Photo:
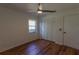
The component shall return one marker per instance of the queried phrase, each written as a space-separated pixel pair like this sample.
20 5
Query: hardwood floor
41 47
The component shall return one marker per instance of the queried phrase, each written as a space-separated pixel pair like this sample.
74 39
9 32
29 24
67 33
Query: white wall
14 29
51 24
50 28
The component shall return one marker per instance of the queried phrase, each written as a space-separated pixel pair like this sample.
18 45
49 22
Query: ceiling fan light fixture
39 12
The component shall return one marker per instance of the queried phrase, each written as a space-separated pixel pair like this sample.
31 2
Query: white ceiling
32 7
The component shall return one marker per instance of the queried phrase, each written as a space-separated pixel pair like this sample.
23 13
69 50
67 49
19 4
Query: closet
61 29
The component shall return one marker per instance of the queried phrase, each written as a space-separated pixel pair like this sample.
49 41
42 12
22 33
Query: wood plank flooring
41 47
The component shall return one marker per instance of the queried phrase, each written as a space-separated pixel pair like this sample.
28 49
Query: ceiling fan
40 9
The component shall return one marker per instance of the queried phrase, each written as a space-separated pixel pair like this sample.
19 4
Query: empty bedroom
39 28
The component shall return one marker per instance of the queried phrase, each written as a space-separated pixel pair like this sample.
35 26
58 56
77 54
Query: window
32 25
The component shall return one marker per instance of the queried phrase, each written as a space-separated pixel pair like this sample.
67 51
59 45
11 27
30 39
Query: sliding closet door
71 31
53 29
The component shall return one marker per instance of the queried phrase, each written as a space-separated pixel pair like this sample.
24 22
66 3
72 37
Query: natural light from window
32 25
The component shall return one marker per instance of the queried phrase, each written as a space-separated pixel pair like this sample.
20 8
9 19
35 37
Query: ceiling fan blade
47 11
41 9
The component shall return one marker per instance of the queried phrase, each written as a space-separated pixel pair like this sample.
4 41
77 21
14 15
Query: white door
53 29
71 27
